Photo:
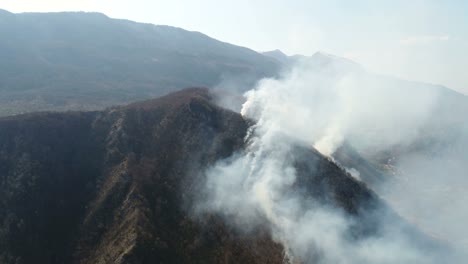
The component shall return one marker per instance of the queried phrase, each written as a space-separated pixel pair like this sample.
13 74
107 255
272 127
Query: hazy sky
424 40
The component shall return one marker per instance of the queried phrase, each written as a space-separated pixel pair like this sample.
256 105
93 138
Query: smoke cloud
321 104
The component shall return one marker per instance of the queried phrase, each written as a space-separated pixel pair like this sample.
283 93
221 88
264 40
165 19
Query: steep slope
117 186
48 167
56 61
108 187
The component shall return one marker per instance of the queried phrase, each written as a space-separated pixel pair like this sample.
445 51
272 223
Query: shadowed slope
108 187
116 186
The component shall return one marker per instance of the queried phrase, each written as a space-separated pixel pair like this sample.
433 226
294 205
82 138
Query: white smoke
319 107
430 191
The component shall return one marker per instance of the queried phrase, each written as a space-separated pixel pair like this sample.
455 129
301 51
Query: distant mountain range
319 58
88 61
77 60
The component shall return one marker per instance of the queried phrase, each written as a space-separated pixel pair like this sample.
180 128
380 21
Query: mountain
120 185
319 60
436 114
77 60
116 186
277 55
109 187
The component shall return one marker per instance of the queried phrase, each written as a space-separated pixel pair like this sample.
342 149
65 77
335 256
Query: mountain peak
322 53
277 55
323 58
5 12
327 56
276 52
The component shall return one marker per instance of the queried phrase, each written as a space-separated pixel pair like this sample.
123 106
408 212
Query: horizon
421 41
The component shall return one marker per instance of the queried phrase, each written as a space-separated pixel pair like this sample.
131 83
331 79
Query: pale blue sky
423 40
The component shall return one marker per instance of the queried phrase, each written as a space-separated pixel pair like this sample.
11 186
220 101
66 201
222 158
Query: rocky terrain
117 186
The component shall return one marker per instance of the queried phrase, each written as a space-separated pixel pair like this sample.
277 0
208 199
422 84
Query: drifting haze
323 103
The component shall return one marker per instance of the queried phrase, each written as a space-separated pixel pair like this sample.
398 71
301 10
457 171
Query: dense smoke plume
321 104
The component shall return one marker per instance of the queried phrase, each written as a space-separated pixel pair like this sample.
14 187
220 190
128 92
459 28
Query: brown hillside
114 186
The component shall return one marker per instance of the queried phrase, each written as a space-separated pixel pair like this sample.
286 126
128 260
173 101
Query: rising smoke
321 104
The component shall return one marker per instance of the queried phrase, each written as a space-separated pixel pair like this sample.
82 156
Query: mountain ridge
85 187
117 185
87 61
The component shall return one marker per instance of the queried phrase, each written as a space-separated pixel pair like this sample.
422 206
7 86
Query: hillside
116 186
77 60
